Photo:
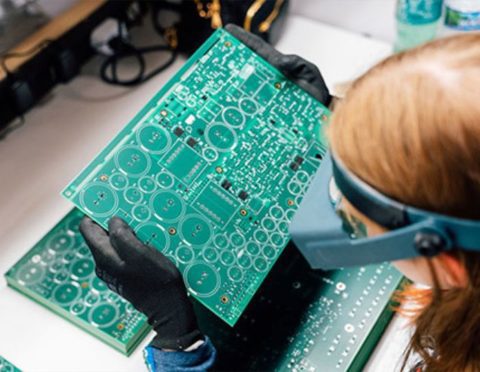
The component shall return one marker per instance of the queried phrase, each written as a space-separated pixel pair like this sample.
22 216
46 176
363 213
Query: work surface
59 138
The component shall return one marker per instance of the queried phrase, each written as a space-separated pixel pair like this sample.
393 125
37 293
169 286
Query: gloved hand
303 73
145 278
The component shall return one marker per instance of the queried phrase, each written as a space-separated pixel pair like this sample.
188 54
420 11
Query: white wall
375 18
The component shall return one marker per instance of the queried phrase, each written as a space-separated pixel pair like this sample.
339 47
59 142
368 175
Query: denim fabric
198 360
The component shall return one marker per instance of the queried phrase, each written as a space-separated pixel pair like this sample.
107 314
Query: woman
409 129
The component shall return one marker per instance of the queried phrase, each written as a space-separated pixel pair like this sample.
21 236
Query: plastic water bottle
417 22
461 16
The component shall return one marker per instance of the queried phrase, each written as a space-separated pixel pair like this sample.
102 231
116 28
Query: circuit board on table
212 170
300 319
6 366
59 273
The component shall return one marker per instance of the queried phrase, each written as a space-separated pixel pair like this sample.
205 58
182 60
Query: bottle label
462 21
419 12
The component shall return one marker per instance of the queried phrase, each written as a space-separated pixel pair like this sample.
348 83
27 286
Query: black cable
109 71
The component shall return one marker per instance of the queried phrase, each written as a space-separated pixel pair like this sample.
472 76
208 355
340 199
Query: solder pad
212 170
58 272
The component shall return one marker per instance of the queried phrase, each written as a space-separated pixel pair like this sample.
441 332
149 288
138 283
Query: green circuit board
59 273
307 320
212 170
6 366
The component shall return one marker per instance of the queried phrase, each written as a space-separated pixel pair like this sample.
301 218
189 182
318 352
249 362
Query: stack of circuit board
6 366
58 272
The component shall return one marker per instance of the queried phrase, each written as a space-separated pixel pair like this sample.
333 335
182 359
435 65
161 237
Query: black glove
303 73
145 278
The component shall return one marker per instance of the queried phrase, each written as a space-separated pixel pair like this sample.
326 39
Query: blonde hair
410 127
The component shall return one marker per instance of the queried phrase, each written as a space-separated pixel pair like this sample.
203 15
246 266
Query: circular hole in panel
147 184
56 266
132 195
276 212
294 188
283 227
82 269
30 274
77 308
227 257
260 236
66 294
268 224
289 214
103 315
237 239
47 257
60 243
184 254
210 154
235 273
83 252
167 205
253 248
91 299
233 117
269 252
165 180
245 261
154 139
98 199
68 257
220 241
202 279
153 235
260 264
61 276
118 181
221 137
141 212
210 254
195 230
248 106
98 285
302 176
277 239
132 161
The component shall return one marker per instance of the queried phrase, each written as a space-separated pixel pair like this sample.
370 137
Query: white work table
60 136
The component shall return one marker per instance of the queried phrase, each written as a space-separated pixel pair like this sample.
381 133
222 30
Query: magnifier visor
323 232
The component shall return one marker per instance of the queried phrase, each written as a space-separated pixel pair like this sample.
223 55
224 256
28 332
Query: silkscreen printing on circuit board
212 170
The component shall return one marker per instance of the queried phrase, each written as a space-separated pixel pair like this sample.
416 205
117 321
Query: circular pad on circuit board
98 199
202 279
195 230
221 137
132 161
154 139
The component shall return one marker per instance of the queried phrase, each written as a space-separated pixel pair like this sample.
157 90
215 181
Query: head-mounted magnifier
318 231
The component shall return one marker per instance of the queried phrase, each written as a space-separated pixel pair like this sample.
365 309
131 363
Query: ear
453 273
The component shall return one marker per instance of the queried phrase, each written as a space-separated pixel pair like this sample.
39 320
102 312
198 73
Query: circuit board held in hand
212 170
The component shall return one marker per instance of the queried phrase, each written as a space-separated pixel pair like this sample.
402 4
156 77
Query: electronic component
178 131
226 184
191 142
59 273
157 181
